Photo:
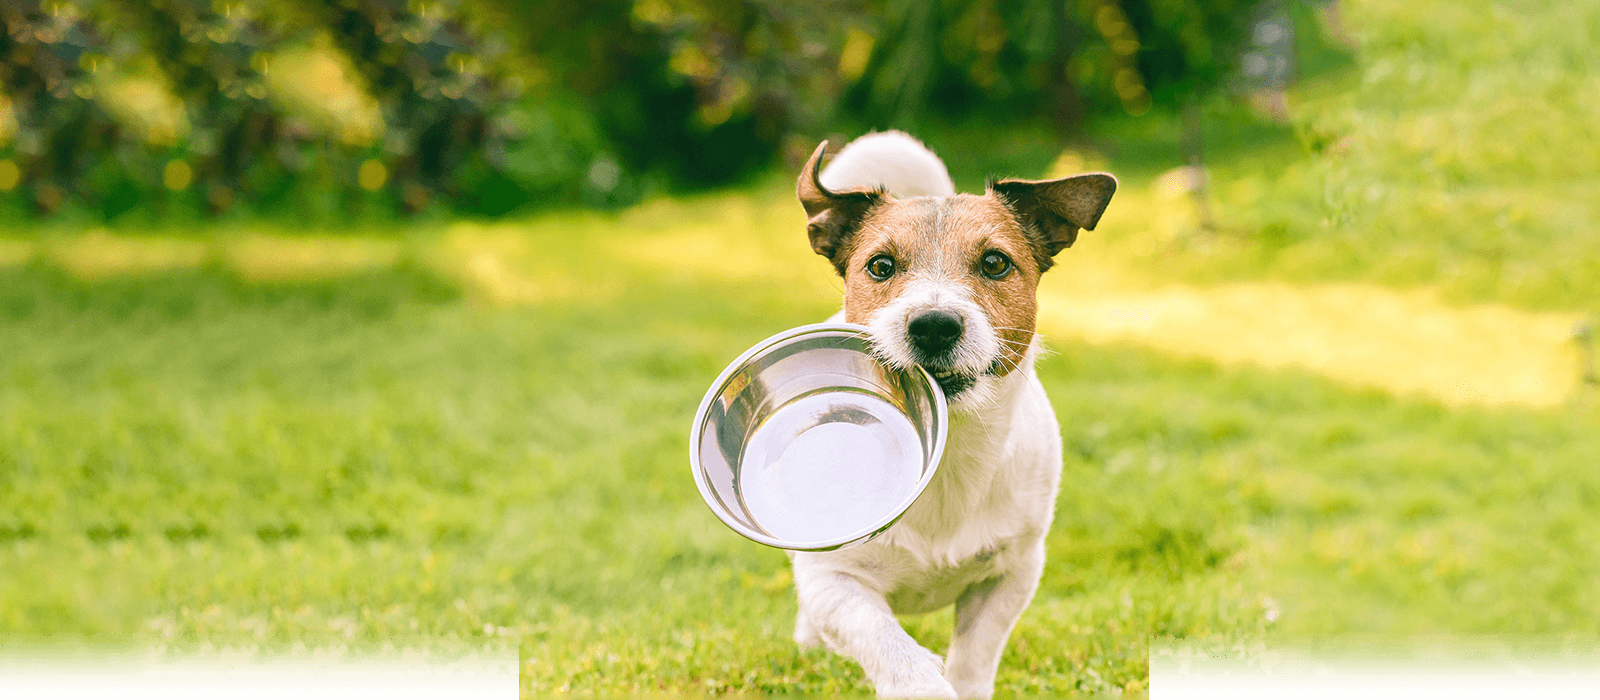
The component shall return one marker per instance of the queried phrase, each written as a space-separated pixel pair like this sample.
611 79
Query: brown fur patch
946 238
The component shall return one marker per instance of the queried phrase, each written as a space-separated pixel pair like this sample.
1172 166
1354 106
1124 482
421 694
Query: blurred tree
956 56
59 131
1021 59
1182 50
215 56
1186 48
439 79
327 109
1031 57
698 92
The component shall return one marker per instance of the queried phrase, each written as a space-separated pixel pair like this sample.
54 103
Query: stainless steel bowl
806 442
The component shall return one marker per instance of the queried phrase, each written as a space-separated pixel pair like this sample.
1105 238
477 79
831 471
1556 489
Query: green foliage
1059 62
149 111
1187 47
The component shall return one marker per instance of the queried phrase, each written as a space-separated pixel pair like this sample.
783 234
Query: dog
947 281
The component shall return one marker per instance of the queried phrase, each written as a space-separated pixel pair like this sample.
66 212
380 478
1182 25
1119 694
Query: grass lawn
452 441
375 461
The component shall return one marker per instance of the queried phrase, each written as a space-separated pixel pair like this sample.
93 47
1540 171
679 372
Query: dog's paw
927 688
919 674
973 691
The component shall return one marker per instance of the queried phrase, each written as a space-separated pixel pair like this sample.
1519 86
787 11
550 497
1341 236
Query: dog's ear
834 216
1052 211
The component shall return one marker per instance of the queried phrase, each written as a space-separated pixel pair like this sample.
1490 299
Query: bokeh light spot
605 174
177 175
372 175
10 175
857 52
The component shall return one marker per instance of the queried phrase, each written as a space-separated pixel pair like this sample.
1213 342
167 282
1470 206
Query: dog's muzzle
933 334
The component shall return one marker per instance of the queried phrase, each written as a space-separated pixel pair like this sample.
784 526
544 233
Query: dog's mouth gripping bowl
806 442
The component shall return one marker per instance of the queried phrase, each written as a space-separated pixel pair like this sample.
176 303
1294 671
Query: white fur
889 159
976 536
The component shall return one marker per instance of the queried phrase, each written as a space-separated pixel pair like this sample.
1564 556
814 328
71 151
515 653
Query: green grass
372 462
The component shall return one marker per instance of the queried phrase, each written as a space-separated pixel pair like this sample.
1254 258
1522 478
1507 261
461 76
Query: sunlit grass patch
1406 343
735 237
268 257
16 252
98 255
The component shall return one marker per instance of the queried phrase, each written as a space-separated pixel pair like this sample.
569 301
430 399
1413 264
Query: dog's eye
880 267
995 264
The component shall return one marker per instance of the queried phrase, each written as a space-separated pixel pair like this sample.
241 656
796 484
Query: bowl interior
806 442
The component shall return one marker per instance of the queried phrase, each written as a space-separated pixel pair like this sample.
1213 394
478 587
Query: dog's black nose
933 333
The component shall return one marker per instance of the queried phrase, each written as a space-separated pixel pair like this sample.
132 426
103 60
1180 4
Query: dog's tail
893 160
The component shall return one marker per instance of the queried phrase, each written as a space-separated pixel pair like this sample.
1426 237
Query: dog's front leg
985 614
856 621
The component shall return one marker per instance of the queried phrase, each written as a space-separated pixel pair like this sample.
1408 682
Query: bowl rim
942 419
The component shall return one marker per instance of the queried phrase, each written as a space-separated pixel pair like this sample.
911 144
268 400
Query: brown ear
1052 211
834 216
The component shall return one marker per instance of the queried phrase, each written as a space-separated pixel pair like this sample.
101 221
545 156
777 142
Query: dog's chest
990 491
961 532
929 589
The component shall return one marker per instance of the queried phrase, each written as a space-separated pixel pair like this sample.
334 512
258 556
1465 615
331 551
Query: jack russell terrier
946 281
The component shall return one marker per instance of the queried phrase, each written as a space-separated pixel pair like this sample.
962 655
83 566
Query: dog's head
949 282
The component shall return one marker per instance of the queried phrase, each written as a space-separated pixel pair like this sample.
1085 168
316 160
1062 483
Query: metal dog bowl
806 442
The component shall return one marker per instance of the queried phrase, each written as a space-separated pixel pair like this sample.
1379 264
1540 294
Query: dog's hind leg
856 622
985 614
